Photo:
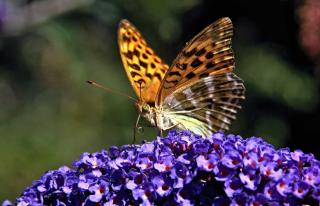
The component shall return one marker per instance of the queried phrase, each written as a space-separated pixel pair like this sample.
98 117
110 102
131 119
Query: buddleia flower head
183 169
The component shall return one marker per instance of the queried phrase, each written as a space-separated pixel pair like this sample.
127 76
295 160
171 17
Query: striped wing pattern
144 68
208 53
208 105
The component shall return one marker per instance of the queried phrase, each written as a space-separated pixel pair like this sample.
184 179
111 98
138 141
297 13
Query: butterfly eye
145 108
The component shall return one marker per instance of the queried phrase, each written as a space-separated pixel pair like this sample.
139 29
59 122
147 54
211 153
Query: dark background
48 49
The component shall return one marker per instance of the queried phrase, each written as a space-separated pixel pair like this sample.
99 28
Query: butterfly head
144 108
147 111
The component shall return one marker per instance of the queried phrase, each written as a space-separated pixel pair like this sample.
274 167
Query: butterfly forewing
206 54
144 68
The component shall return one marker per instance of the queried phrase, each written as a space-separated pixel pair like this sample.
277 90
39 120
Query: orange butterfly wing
206 54
144 68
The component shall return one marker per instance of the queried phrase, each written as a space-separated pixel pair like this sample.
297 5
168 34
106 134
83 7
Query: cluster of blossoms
183 169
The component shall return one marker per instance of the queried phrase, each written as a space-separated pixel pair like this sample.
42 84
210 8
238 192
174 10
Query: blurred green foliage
49 115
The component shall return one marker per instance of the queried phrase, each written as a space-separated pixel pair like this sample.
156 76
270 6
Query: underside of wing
144 68
208 53
207 106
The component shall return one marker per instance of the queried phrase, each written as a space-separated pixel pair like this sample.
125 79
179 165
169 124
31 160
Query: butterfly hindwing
206 54
143 67
208 105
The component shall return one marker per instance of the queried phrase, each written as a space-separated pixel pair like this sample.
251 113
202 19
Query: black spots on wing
140 83
173 82
173 73
143 64
189 53
128 33
149 75
225 64
134 74
209 55
190 75
143 42
134 38
144 56
134 66
125 38
181 66
129 55
200 52
136 53
149 51
220 63
158 76
223 53
157 60
222 66
203 75
229 61
209 65
153 66
184 66
195 63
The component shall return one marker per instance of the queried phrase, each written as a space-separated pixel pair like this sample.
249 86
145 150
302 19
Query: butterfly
198 92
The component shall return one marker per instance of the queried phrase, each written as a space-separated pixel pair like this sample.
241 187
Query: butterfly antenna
110 90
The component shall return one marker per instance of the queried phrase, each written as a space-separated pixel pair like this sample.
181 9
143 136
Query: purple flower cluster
183 169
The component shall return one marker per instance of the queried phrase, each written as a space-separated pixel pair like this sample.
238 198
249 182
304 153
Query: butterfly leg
173 126
161 130
161 133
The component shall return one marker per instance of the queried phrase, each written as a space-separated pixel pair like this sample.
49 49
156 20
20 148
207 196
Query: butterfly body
157 116
199 92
